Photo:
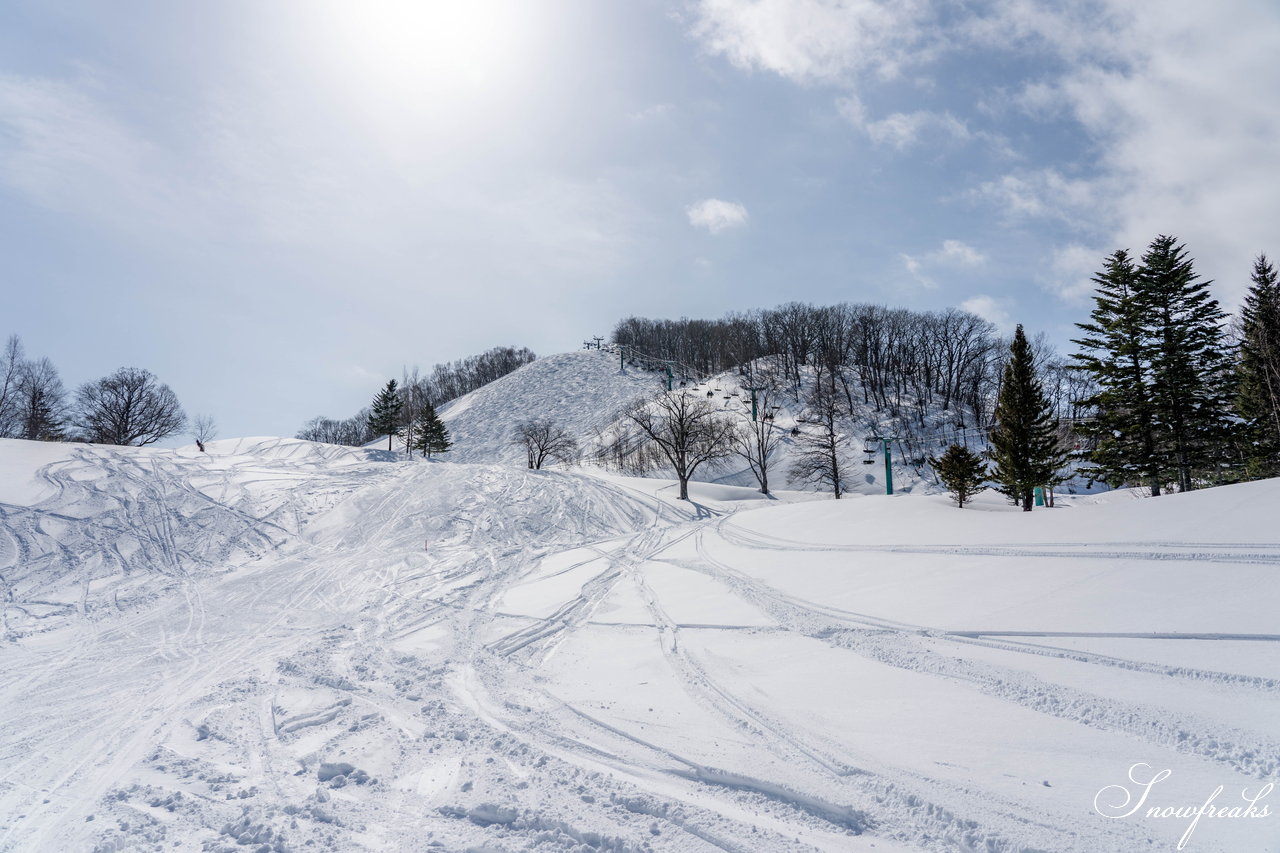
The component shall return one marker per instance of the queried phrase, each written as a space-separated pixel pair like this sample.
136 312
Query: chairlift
869 448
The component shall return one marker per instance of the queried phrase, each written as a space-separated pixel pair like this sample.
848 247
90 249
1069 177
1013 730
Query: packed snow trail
282 646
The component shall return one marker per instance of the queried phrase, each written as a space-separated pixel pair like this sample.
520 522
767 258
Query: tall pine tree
1156 350
384 418
1191 368
1258 371
1024 445
1115 352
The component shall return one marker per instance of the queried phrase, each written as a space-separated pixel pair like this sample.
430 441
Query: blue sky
276 206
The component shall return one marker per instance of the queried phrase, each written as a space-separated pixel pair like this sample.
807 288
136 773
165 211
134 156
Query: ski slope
584 392
286 646
580 391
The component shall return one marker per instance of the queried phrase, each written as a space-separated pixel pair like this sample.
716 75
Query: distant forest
902 362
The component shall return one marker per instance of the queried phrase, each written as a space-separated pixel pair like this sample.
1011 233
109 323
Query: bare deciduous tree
820 446
543 439
894 359
352 432
203 428
11 364
686 430
755 441
41 402
129 407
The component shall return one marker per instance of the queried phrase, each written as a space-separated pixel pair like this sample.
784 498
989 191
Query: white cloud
916 269
902 130
1184 126
813 40
956 252
990 309
1044 193
716 215
953 254
1072 270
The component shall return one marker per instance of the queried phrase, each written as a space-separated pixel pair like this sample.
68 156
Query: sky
275 207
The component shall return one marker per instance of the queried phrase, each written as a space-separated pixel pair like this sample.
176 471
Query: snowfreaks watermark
1121 801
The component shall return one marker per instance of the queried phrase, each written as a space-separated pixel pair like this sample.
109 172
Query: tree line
898 361
1181 397
1162 391
128 407
416 391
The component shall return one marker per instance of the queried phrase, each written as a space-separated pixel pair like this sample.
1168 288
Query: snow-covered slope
91 526
580 391
317 650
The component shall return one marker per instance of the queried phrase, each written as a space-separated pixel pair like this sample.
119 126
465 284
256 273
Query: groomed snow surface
279 645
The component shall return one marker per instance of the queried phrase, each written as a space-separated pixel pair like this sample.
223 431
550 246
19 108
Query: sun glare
429 46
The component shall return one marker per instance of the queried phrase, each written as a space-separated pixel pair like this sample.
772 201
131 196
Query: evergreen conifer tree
1114 351
384 419
1191 369
1025 446
432 436
1156 350
1258 371
962 473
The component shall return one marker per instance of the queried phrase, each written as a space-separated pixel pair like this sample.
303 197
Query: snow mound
580 391
88 526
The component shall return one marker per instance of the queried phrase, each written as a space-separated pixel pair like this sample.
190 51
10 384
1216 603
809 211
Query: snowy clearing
283 646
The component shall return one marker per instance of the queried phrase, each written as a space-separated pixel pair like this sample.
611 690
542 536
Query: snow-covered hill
584 392
279 645
581 391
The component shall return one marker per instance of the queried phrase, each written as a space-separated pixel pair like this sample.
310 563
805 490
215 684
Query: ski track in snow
281 646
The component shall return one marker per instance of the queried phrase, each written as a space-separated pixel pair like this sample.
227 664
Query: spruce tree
1258 371
1191 369
1025 446
1115 352
432 435
1156 350
384 419
962 473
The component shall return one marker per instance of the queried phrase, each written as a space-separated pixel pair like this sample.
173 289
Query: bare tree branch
685 429
129 407
543 439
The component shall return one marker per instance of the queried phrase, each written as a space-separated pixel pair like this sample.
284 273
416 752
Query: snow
580 391
282 645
